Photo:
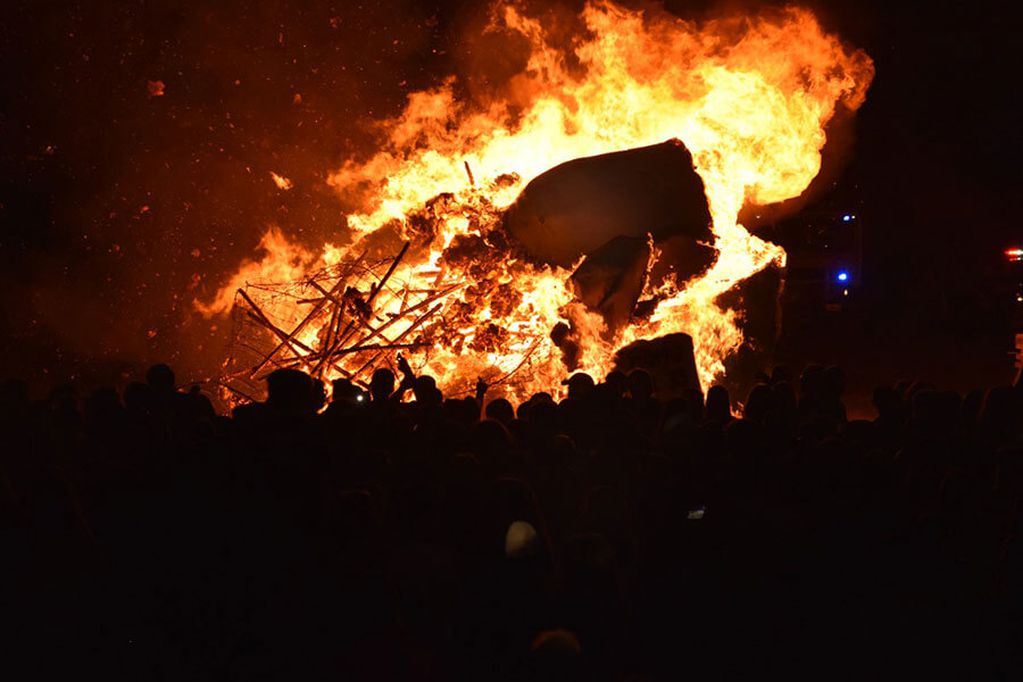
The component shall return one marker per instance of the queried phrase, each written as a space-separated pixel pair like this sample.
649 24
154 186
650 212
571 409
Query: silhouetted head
464 411
161 378
555 655
290 390
580 386
500 410
381 386
488 437
641 384
138 397
887 402
834 381
426 391
719 405
345 391
199 406
543 411
811 382
758 404
617 383
318 394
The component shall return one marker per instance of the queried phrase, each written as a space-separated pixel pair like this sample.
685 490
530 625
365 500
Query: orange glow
748 95
281 181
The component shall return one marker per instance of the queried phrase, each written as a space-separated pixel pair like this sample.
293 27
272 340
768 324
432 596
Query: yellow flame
282 261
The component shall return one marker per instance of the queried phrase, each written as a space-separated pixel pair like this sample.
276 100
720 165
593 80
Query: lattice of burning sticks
344 320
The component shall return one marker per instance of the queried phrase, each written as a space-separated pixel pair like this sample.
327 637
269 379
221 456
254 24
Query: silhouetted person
719 406
290 391
426 392
617 383
499 409
161 379
346 402
381 385
409 540
758 404
580 386
555 656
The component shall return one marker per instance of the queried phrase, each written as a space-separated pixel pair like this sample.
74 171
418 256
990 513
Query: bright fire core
750 97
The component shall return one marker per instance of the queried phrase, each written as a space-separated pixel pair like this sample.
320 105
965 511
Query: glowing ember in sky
281 181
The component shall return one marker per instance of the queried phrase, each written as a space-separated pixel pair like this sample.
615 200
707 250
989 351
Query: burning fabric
545 231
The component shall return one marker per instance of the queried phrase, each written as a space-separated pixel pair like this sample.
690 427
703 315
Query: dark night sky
117 209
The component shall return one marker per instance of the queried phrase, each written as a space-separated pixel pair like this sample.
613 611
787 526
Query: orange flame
749 96
281 181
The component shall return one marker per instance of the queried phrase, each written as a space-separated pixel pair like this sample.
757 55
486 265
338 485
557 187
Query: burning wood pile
619 219
341 333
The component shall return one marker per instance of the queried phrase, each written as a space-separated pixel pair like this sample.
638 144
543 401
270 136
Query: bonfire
512 241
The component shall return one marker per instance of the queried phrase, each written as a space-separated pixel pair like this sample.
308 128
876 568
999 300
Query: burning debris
546 232
282 182
340 334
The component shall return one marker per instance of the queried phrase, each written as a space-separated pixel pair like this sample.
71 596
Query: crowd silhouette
400 534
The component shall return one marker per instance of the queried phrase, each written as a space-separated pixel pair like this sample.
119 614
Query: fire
281 181
750 97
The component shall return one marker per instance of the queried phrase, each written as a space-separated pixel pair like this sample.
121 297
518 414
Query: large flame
749 96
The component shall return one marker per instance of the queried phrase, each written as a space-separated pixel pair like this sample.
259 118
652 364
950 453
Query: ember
281 181
748 97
